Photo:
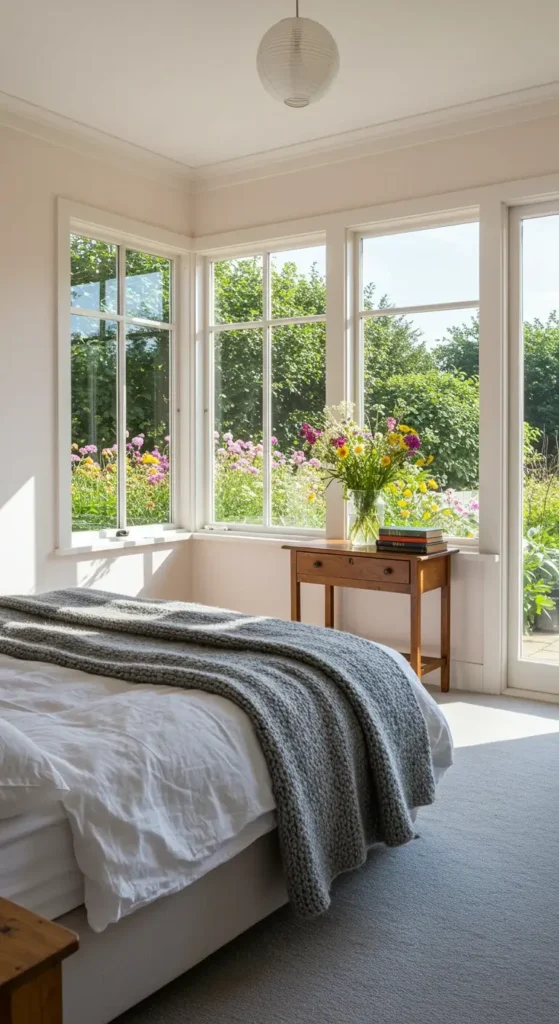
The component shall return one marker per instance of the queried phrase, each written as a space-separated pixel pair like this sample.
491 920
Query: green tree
459 353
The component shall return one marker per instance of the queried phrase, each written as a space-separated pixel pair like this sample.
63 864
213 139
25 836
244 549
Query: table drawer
353 567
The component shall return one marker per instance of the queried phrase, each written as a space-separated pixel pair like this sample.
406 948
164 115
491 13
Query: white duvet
160 779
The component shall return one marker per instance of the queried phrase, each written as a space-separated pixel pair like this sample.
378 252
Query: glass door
534 448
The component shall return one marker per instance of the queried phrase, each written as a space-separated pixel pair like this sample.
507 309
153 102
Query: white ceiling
178 77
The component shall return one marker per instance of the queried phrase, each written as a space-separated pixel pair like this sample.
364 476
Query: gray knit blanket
340 727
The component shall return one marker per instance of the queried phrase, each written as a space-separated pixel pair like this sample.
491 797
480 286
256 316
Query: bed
140 936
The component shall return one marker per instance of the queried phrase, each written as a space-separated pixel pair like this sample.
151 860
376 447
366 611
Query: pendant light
297 60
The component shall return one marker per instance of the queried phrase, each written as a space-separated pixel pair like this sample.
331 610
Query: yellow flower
423 488
407 493
402 503
433 484
426 515
88 461
386 460
311 496
447 511
434 507
470 535
153 472
403 429
74 447
358 448
111 468
429 460
392 488
404 514
394 439
150 459
420 462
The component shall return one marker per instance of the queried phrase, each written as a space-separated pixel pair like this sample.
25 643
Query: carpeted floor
459 927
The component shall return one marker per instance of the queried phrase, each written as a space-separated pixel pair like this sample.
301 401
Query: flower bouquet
364 462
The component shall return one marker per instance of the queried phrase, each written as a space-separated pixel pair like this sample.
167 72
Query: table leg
38 1000
445 631
295 590
329 607
415 617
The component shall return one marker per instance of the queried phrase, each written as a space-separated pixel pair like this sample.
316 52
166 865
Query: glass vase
367 517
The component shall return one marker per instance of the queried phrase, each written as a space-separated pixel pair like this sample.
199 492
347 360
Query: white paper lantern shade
297 61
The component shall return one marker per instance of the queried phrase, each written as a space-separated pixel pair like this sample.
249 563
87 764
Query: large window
419 363
268 339
121 356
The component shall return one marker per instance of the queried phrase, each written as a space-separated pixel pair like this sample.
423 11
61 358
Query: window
121 345
268 339
419 359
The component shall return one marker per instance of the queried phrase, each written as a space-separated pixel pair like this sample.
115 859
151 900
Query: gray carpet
459 927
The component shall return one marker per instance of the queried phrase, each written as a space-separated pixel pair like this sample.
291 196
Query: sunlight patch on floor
475 723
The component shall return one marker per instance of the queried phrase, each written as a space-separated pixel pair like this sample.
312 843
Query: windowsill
470 549
106 544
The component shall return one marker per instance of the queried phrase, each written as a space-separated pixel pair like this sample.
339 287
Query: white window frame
74 218
265 324
470 216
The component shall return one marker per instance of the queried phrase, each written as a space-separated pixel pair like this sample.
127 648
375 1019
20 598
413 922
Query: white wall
32 174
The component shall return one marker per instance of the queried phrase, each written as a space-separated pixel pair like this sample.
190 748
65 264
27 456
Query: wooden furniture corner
31 953
336 563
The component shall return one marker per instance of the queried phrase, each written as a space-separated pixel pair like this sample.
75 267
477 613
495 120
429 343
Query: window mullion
121 393
266 393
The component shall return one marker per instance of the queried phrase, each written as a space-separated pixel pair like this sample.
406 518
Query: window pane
423 370
298 396
93 268
147 423
238 490
299 282
238 290
420 268
93 369
147 286
540 314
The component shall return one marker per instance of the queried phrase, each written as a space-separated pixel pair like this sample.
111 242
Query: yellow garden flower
434 507
394 439
343 452
405 514
423 488
447 512
74 447
392 488
386 460
150 459
433 484
426 515
429 460
311 496
358 449
402 503
420 462
405 430
407 493
88 461
470 535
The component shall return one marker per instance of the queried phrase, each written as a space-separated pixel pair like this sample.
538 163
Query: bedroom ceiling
178 77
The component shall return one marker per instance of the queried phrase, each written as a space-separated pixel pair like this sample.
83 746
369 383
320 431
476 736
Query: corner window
121 343
267 337
419 357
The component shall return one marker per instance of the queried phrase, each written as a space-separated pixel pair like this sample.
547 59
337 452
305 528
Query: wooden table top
345 546
29 943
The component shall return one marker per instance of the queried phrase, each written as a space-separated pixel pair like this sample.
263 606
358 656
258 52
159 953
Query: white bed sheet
138 798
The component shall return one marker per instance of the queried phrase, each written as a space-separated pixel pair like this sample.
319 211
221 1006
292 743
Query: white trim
107 544
419 129
72 218
436 307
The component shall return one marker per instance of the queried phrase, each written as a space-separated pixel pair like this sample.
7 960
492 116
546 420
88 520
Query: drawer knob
316 565
388 571
351 562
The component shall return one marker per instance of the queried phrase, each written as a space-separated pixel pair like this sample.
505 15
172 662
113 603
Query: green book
411 531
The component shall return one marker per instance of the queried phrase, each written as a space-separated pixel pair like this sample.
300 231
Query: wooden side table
31 953
336 563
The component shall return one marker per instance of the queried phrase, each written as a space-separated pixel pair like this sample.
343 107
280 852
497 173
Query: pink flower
273 440
412 442
138 441
315 463
390 423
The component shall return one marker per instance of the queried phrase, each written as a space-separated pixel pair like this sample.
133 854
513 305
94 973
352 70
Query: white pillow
28 779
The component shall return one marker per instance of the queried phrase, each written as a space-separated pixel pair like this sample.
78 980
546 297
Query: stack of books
416 540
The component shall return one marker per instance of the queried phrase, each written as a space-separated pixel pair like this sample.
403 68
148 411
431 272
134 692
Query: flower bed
94 485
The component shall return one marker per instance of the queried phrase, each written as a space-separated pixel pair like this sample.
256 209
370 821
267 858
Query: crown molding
44 124
420 129
448 122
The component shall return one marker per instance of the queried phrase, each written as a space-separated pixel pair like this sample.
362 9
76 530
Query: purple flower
75 458
216 435
390 423
315 463
310 435
228 436
221 451
338 442
138 441
298 458
412 442
474 505
273 440
166 438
